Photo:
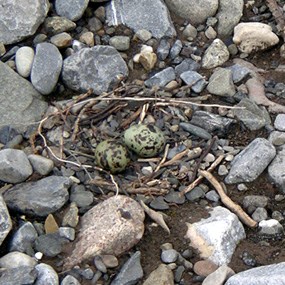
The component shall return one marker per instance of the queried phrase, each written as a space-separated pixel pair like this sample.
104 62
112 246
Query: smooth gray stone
45 79
260 214
195 194
262 275
72 10
151 15
17 259
174 197
131 272
120 43
169 255
82 198
52 191
253 116
163 49
187 64
46 275
197 131
41 164
24 106
277 138
5 220
20 275
239 72
23 239
21 19
14 166
98 68
159 203
251 162
252 202
195 80
69 280
161 78
279 122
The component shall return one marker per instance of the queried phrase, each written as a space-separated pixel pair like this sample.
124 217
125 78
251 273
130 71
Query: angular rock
16 259
239 72
61 40
131 272
19 275
160 276
262 275
46 275
221 83
161 78
219 276
163 49
24 60
111 227
5 220
52 191
20 19
196 11
151 15
55 25
175 49
270 227
254 36
72 10
100 68
251 162
195 80
14 166
24 106
209 235
228 16
215 55
45 79
187 64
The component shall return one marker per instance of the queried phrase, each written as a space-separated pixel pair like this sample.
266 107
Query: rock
254 36
87 38
143 35
110 261
61 40
19 275
69 280
24 197
259 214
148 60
111 227
190 32
71 10
45 79
175 49
279 122
187 64
5 220
21 19
120 43
158 203
219 276
46 275
50 225
174 197
131 272
197 131
163 49
204 267
239 72
24 60
71 217
67 233
56 25
196 12
81 197
169 255
221 83
195 80
270 227
161 78
160 276
14 166
41 164
99 264
195 194
252 202
209 234
15 260
24 104
151 15
262 275
251 162
229 15
277 138
215 55
253 116
210 33
99 68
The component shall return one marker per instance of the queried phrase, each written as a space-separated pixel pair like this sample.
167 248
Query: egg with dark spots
144 140
111 155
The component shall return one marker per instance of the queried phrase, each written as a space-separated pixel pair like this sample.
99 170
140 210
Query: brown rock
51 225
204 267
160 276
111 227
148 60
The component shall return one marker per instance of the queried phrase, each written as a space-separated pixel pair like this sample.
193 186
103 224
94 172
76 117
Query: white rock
24 60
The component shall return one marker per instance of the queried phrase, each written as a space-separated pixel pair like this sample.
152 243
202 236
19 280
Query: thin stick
164 158
131 118
227 201
116 185
175 158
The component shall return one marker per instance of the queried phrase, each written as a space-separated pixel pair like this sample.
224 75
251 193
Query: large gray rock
14 166
21 18
196 11
38 198
16 259
111 227
151 15
209 235
45 79
72 10
19 275
99 68
24 106
262 275
230 12
251 162
5 220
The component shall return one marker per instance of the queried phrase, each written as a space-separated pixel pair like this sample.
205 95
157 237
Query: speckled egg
144 140
112 155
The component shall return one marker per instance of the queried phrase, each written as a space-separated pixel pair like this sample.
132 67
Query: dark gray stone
20 19
187 64
195 194
5 220
175 49
100 68
151 15
72 10
163 49
24 106
46 275
239 72
159 203
45 79
19 275
174 197
197 131
161 78
38 198
131 272
195 80
251 162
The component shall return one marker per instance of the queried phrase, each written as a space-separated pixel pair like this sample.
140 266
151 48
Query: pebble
169 256
69 280
87 38
252 202
210 33
175 49
248 259
195 194
143 35
71 217
24 60
161 78
195 130
222 170
81 198
279 122
219 276
160 276
204 267
99 264
212 196
277 138
46 275
67 233
41 164
163 49
71 10
50 224
270 227
174 197
260 214
120 43
16 259
56 25
62 40
195 80
187 64
110 261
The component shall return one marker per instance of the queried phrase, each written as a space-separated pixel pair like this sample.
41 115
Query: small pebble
169 255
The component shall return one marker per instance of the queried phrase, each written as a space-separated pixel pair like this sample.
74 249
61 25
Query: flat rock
21 19
160 276
111 227
195 80
45 79
19 275
262 275
151 15
196 11
208 235
24 197
161 78
14 166
72 10
197 131
100 68
251 162
24 106
5 220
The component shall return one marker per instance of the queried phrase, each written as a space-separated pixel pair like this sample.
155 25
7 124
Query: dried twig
227 201
131 118
164 158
